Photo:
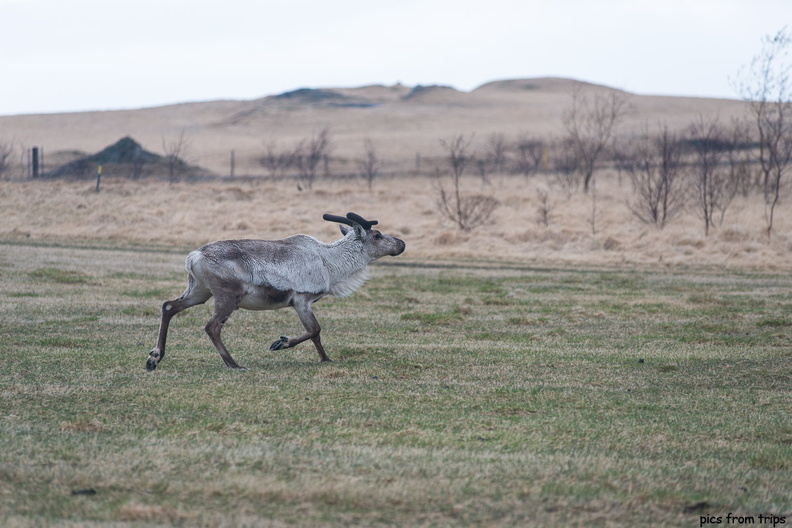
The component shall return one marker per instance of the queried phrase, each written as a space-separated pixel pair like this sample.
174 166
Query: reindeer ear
356 218
353 221
359 231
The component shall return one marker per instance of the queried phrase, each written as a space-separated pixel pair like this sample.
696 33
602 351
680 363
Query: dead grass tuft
85 425
135 512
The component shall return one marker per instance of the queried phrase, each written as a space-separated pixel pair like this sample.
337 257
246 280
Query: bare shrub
713 191
594 213
467 211
309 154
494 160
544 209
483 170
496 152
6 156
369 164
653 165
740 157
565 165
622 156
530 153
277 162
767 86
589 124
176 151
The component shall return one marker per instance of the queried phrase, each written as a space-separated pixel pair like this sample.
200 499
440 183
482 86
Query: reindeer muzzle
400 247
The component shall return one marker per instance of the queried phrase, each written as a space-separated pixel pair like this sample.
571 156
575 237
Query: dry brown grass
186 215
152 213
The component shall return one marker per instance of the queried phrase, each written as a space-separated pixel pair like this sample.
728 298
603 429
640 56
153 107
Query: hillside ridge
405 123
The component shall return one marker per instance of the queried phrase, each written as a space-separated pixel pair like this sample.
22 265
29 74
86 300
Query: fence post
34 162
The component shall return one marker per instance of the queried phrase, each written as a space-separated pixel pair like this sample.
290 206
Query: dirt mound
310 95
324 97
125 150
125 158
541 84
432 92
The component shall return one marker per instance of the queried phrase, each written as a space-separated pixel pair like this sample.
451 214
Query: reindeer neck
347 266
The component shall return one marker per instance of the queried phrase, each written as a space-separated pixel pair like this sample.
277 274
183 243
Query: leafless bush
739 158
6 155
276 162
530 153
545 208
176 151
369 165
622 154
713 190
483 170
496 152
590 124
565 165
653 165
494 159
594 213
767 86
458 154
467 211
309 154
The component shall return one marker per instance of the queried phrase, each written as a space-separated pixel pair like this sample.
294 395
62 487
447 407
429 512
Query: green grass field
462 394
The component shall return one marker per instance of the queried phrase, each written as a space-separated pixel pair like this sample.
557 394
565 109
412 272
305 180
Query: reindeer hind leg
196 293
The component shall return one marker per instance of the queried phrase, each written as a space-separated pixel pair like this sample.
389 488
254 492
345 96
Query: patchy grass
462 394
58 275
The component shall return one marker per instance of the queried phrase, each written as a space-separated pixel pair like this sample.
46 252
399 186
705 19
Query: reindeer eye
377 236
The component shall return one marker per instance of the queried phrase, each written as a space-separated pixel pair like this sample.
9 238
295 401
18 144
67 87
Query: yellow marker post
98 175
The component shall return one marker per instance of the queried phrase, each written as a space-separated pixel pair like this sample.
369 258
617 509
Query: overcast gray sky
109 54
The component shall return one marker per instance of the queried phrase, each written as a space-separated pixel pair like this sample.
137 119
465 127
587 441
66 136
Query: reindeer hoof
280 343
151 362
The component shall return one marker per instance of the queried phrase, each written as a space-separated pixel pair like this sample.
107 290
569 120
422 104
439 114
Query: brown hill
404 123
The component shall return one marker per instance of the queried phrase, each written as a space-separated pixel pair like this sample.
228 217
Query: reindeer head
375 244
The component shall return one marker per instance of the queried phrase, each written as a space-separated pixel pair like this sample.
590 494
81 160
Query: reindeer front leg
302 305
225 304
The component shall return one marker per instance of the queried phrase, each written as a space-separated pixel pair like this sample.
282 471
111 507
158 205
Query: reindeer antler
366 224
338 219
351 220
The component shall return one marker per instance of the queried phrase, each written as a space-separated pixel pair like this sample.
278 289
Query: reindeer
270 274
